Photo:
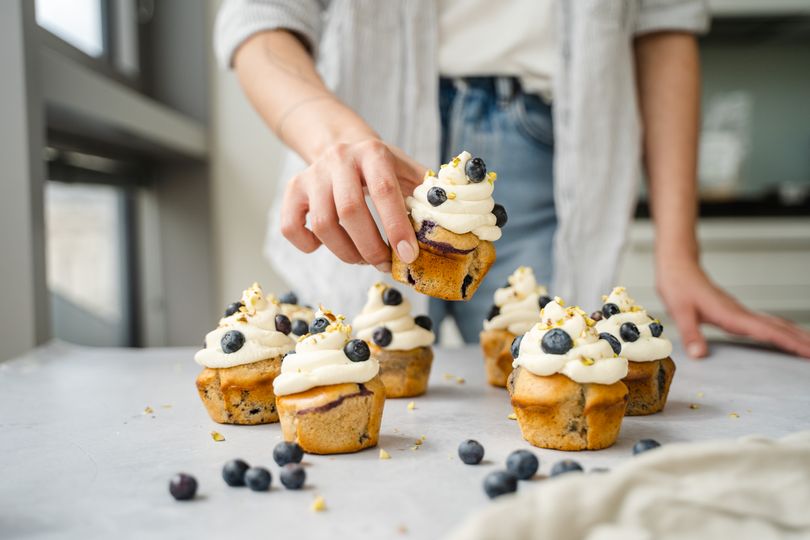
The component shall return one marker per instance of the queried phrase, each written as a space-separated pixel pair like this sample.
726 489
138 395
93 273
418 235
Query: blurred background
136 177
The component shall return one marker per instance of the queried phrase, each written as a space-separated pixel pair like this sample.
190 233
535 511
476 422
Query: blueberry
596 315
499 483
494 311
183 487
382 336
424 321
656 328
258 478
609 310
318 325
299 327
556 341
614 343
500 215
645 444
476 170
543 301
287 452
232 308
436 196
515 348
522 464
232 341
293 476
283 324
629 332
471 452
391 297
289 298
565 466
234 472
356 350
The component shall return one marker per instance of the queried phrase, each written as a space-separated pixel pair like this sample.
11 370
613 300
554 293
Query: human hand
332 192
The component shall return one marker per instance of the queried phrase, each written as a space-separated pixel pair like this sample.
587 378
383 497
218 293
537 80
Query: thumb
689 327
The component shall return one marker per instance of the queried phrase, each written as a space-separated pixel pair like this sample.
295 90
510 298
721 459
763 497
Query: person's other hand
691 299
332 192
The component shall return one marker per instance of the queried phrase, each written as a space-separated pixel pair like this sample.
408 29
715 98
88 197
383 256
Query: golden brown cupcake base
648 384
497 348
404 373
558 413
333 419
240 394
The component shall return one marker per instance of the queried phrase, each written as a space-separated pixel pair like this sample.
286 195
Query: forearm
278 75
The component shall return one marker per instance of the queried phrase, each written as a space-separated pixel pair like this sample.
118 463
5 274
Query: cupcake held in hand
566 388
639 338
516 309
241 358
330 396
398 341
456 220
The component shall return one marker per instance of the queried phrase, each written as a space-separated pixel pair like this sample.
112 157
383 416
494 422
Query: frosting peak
396 317
644 344
517 306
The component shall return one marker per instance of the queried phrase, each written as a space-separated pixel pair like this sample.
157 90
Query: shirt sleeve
680 15
237 20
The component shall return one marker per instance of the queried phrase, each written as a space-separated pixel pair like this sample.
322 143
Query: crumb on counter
512 416
733 415
411 405
217 436
384 454
694 406
148 410
319 504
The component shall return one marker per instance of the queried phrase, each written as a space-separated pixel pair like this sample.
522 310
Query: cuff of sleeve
674 15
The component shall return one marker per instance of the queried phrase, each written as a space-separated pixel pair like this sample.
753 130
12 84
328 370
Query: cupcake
241 358
399 342
639 338
566 387
329 394
300 316
456 221
516 309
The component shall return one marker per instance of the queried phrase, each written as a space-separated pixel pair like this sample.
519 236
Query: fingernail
384 267
695 350
406 252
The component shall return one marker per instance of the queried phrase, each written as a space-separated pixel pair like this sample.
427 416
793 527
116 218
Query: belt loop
504 89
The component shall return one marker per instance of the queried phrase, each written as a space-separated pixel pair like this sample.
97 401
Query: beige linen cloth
752 488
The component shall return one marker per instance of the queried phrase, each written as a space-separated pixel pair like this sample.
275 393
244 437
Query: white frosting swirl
647 347
256 320
406 334
518 303
468 207
319 360
590 360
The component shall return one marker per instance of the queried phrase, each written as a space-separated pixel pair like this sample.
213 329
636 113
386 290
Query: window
78 22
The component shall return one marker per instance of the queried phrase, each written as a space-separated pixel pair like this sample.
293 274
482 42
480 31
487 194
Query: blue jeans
511 131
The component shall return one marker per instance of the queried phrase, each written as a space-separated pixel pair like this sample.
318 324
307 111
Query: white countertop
80 458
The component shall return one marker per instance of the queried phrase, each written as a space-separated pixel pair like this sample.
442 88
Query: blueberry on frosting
610 309
283 324
515 348
494 311
614 343
629 332
289 298
232 341
232 308
436 196
424 321
299 327
476 170
391 297
357 350
656 328
382 336
556 341
543 300
500 215
318 325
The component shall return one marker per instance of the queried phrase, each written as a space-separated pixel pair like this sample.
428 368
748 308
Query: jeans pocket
532 118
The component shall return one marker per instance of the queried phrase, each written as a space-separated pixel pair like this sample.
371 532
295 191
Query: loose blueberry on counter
357 350
629 332
523 464
283 324
471 452
500 483
476 170
234 472
232 341
293 476
299 327
183 487
565 466
494 311
656 328
287 452
318 325
609 310
424 321
543 301
258 479
500 215
391 297
596 315
645 444
382 336
515 347
289 298
436 196
556 341
232 308
614 343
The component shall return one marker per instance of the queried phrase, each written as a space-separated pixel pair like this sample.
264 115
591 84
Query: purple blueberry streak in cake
426 228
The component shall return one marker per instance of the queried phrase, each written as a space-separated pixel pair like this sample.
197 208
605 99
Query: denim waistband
500 87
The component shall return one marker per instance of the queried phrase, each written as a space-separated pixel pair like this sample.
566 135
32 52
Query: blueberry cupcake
300 316
639 338
400 342
241 358
329 394
516 309
567 388
456 221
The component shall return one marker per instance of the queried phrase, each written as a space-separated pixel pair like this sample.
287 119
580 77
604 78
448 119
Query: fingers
294 217
688 322
323 219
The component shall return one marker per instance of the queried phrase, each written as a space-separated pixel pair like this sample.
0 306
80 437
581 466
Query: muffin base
558 413
240 394
648 384
404 373
333 419
497 348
